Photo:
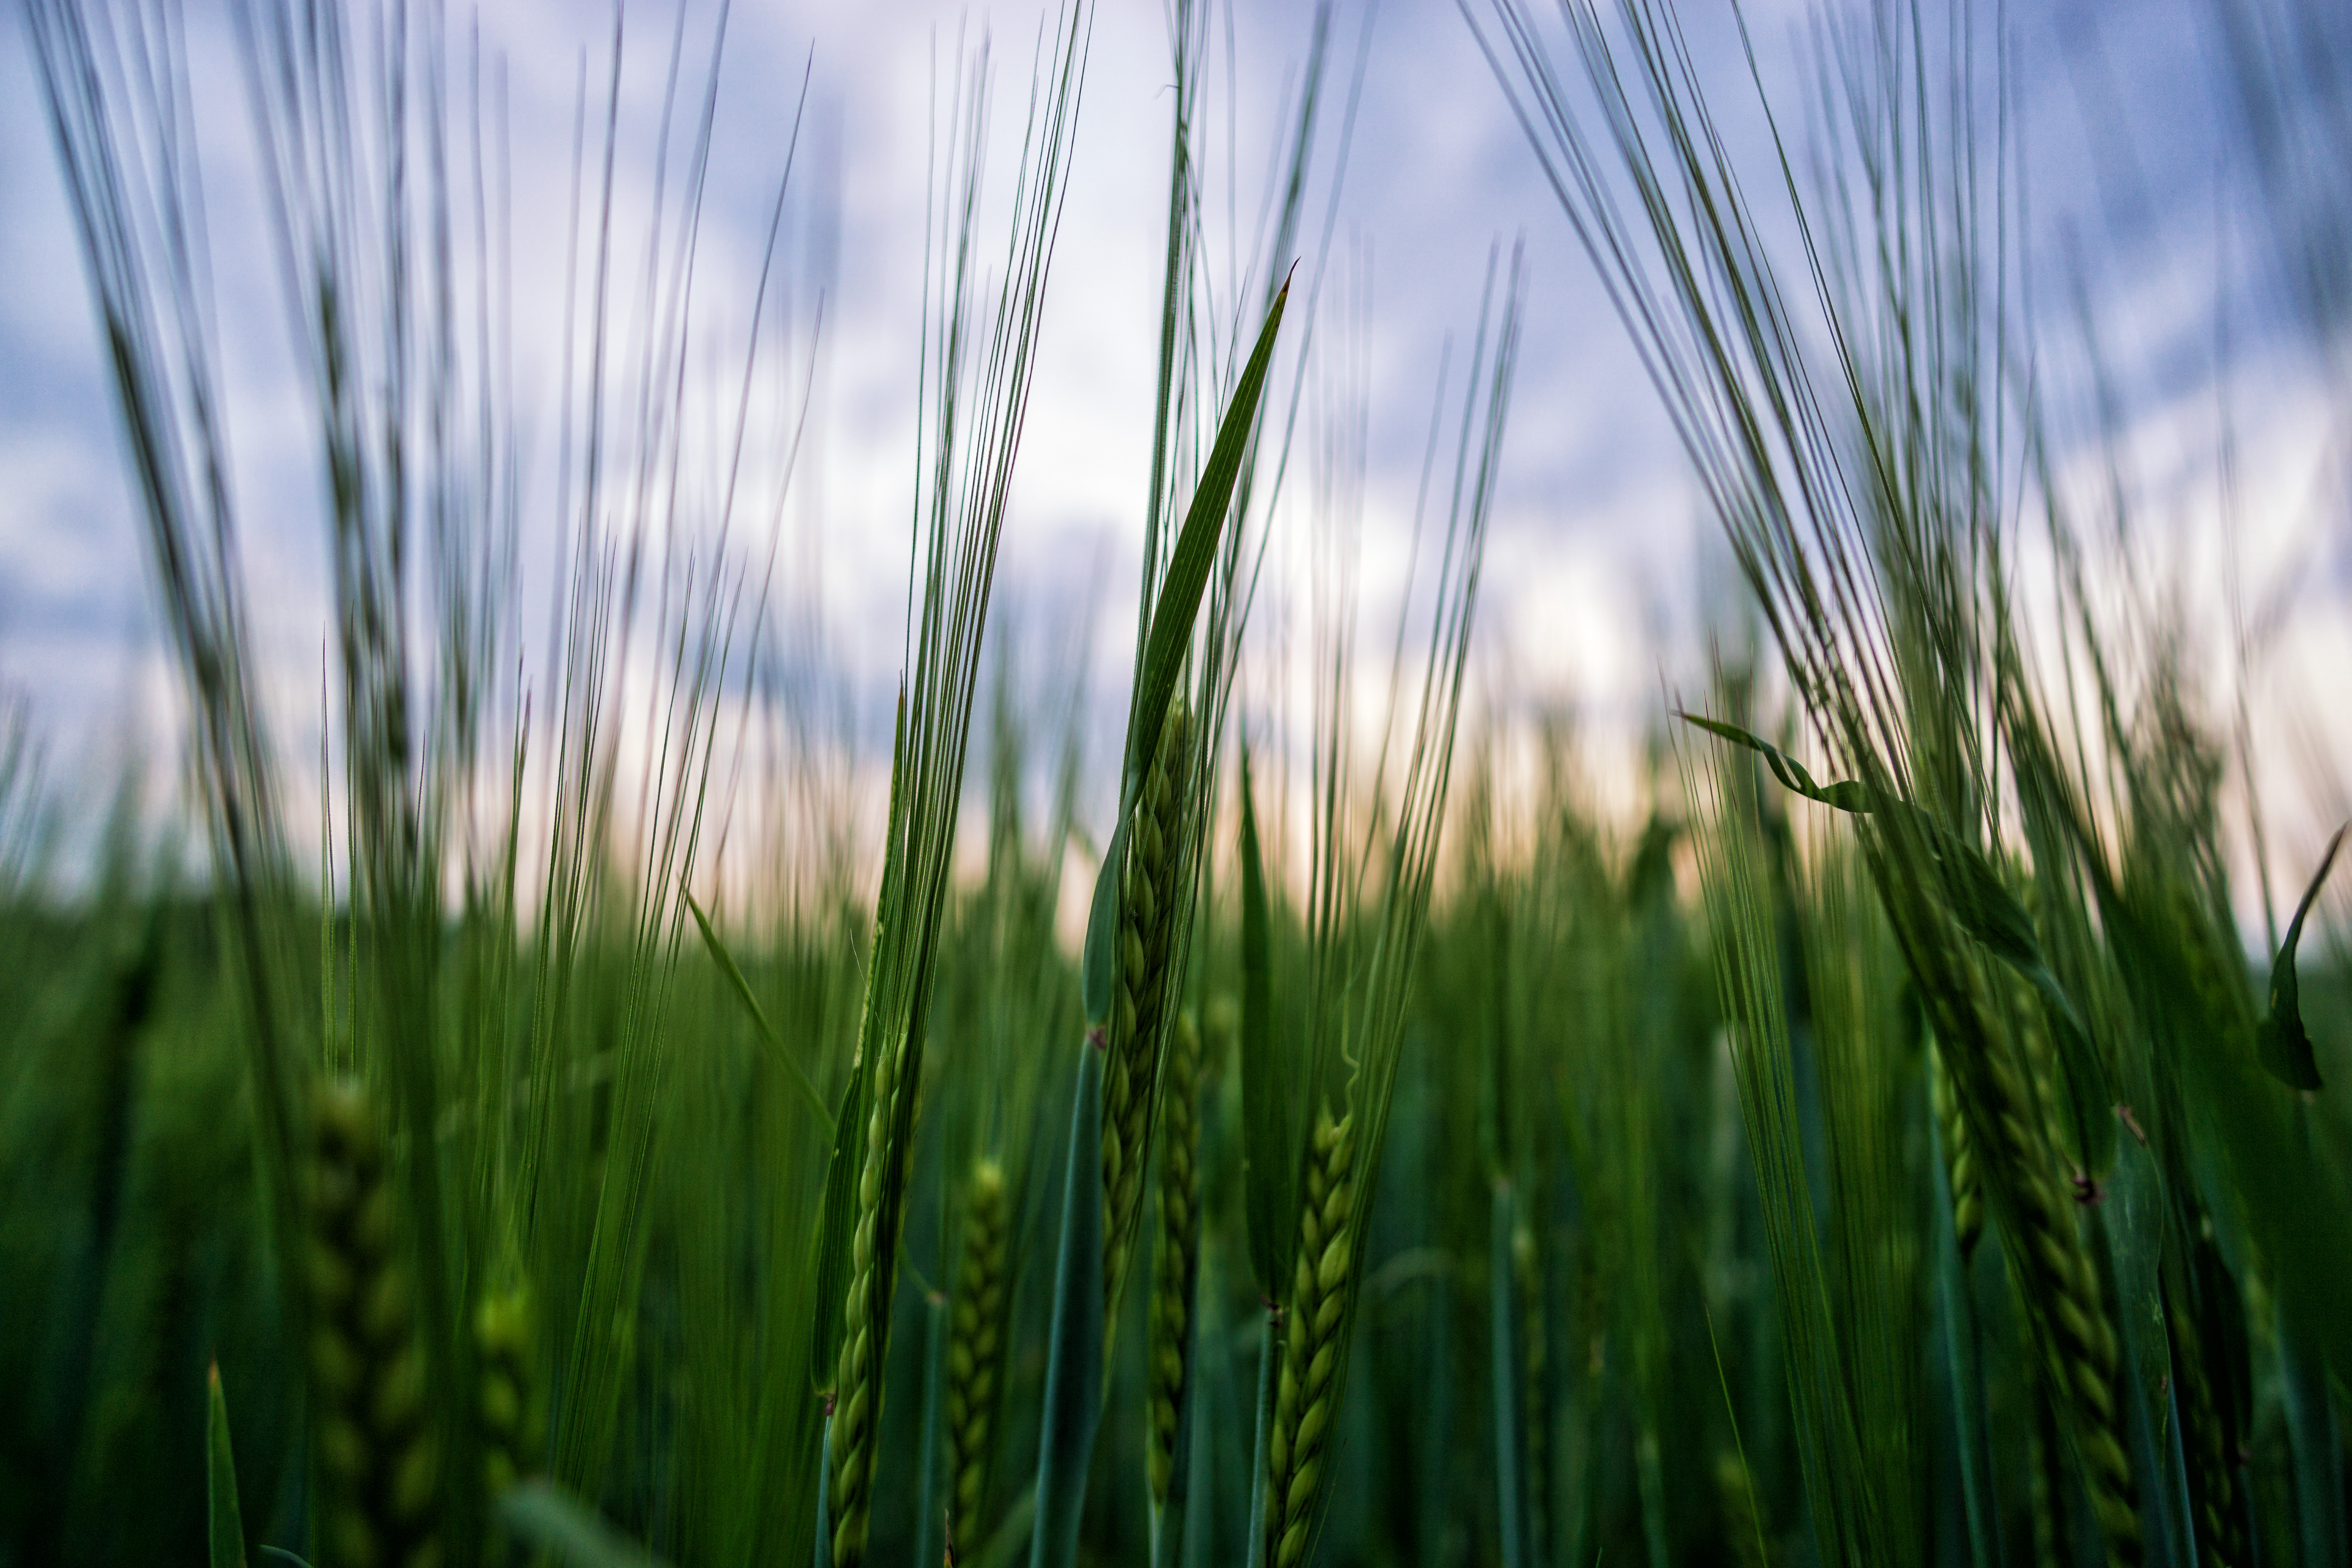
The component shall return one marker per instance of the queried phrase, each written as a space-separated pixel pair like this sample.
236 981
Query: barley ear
377 1460
1307 1397
1176 1250
857 1387
2006 1120
513 1425
1967 1197
976 1349
1154 850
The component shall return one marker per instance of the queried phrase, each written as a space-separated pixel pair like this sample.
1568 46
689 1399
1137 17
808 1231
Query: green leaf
1268 1165
928 1463
2283 1045
2295 1203
2314 1447
726 961
1269 1354
1960 1349
1074 1367
1097 967
1179 606
550 1520
225 1524
2132 1220
823 1557
1195 554
1858 799
1503 1343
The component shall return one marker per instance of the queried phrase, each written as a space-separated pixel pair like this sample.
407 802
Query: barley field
1283 1098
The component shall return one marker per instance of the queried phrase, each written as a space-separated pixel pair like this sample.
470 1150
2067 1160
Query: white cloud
1597 528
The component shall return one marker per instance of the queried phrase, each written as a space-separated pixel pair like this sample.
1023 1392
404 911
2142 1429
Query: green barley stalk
1175 1252
1202 377
1362 965
1865 512
981 389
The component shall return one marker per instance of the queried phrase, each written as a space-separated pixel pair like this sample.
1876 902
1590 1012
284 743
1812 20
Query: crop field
590 1112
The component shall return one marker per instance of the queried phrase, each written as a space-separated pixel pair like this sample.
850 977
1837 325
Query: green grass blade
225 1521
1269 1354
2134 1225
1074 1368
1510 1505
823 1558
928 1511
1268 1171
726 961
552 1520
1195 554
2316 1449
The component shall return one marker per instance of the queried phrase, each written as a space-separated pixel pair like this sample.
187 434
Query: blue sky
1602 569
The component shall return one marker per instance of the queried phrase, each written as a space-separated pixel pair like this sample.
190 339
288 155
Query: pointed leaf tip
2282 1042
223 1521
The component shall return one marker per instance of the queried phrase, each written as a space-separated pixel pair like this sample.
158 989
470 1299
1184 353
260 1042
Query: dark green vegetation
1877 1148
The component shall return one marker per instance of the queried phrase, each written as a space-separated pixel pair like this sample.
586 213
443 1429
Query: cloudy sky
1602 569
